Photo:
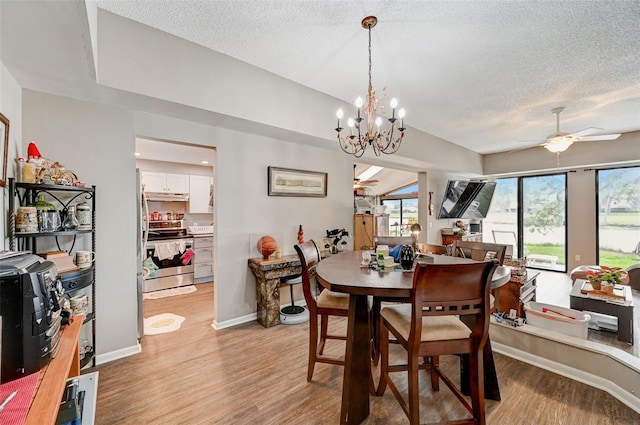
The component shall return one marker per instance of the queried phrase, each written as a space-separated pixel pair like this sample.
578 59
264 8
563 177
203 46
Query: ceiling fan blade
602 137
586 131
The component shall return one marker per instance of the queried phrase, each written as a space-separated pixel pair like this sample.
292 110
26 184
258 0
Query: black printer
30 297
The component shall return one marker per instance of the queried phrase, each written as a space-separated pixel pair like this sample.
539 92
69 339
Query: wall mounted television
466 199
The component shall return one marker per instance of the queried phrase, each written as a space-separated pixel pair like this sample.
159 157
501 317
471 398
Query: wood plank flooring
252 375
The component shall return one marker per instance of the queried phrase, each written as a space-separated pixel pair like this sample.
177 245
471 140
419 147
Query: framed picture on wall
4 140
288 182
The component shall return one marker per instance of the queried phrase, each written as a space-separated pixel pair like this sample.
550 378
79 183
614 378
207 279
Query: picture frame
4 140
291 182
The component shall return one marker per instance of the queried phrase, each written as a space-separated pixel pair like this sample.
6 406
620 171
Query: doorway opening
176 222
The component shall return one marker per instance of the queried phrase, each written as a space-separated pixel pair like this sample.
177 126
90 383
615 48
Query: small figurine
300 235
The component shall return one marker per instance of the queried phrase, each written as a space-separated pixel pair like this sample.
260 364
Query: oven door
174 261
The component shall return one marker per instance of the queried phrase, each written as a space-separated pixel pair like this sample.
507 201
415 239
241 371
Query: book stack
62 260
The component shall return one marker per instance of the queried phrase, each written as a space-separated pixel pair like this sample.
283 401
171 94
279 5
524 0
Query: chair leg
313 344
383 343
324 324
476 372
435 380
414 390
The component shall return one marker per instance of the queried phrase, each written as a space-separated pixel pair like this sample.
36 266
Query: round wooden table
342 273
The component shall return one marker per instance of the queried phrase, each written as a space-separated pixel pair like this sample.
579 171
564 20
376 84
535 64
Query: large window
619 217
402 207
529 213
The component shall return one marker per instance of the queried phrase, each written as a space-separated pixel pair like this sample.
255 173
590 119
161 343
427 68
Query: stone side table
268 274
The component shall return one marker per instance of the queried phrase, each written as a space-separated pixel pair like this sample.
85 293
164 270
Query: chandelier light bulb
359 102
378 122
339 114
401 113
394 103
351 122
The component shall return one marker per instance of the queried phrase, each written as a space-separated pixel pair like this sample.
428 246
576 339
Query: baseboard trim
234 322
248 318
118 354
596 365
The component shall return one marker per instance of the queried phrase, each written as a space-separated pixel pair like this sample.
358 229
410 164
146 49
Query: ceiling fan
358 184
559 141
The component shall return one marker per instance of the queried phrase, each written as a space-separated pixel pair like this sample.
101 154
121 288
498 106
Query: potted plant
604 278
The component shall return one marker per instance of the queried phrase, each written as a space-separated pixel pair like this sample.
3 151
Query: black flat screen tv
466 199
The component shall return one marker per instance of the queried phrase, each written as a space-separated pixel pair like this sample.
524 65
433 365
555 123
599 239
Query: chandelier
381 141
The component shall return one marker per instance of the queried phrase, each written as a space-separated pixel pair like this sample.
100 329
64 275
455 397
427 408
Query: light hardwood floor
252 375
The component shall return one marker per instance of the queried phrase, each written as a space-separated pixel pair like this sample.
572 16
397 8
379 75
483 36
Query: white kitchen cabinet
203 259
200 194
164 182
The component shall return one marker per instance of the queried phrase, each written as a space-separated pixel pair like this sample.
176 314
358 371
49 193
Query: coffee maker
30 298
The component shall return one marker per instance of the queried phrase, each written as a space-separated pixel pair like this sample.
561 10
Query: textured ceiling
480 74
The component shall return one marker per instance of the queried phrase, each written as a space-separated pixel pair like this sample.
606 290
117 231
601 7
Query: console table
622 311
268 274
514 294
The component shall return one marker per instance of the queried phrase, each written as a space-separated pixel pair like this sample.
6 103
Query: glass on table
366 257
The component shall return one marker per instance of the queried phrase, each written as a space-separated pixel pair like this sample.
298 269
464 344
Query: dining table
344 273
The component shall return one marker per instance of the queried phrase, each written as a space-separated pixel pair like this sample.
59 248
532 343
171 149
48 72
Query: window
529 213
619 216
402 207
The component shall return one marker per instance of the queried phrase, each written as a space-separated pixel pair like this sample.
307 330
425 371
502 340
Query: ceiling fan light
558 145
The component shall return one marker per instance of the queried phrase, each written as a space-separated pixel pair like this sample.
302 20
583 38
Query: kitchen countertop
200 235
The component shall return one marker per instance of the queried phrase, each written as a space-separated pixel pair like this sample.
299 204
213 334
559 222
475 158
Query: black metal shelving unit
25 194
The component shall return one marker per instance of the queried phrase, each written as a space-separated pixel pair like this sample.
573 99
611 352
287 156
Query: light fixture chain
370 87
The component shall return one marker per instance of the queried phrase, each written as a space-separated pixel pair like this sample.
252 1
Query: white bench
541 260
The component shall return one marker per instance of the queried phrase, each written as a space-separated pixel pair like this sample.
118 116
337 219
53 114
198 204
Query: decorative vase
595 284
406 257
607 288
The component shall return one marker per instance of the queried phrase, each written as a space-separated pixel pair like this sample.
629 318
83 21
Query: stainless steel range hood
167 197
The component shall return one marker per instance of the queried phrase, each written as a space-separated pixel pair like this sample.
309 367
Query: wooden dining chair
479 251
435 249
429 327
392 241
326 304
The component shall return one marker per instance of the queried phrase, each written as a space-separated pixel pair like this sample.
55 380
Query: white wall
11 108
98 143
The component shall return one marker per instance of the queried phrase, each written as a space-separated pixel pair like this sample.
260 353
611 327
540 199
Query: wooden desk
342 273
268 274
53 377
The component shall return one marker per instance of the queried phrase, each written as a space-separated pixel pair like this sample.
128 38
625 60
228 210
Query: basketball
266 246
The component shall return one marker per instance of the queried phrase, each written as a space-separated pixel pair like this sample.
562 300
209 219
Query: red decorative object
266 246
300 235
32 151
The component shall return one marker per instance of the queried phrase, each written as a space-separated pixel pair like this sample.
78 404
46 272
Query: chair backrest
634 276
452 289
435 249
478 250
392 241
309 259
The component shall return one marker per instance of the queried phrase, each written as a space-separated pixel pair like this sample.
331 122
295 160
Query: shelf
76 280
61 187
58 233
89 317
63 197
88 357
